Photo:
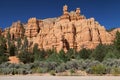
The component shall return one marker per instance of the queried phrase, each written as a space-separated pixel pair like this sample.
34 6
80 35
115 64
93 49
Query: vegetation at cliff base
104 59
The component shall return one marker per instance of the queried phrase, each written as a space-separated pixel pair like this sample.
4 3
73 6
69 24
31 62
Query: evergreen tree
12 49
49 52
39 55
26 57
117 41
70 54
110 55
62 56
3 47
36 52
99 53
3 50
84 53
19 43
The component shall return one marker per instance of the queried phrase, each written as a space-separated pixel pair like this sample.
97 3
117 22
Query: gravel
59 77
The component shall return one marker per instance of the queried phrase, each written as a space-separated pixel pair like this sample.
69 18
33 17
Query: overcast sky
106 12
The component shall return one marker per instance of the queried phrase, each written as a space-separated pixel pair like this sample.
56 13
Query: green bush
21 71
110 55
99 53
62 56
60 68
117 41
7 68
36 70
84 54
72 71
54 58
44 70
98 69
111 62
3 58
49 65
115 71
71 53
89 63
90 66
52 73
72 64
3 50
26 57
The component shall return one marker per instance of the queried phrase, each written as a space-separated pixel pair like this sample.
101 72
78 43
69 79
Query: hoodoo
70 30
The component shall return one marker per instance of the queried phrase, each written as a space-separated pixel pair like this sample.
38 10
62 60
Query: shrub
8 68
47 65
21 71
44 70
98 69
88 63
111 62
72 71
60 68
80 64
53 65
72 64
4 65
115 71
36 70
52 73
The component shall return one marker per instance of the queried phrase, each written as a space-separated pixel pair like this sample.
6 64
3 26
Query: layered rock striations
71 30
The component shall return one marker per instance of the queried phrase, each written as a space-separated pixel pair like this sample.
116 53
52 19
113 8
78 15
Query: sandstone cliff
71 30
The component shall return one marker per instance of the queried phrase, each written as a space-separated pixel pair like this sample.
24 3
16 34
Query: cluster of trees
100 53
104 59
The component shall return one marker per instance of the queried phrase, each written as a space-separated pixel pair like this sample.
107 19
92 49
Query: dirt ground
36 77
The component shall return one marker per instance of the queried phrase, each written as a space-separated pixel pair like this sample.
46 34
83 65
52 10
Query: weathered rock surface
71 30
16 30
32 28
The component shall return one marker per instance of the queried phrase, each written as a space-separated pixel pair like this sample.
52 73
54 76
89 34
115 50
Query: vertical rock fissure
74 37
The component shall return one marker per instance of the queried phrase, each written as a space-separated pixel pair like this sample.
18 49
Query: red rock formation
32 28
71 30
16 30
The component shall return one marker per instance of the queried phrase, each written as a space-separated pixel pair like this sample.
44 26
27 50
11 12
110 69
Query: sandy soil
35 77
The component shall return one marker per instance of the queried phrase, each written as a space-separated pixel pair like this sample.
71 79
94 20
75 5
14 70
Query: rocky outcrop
16 30
32 28
71 30
113 32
